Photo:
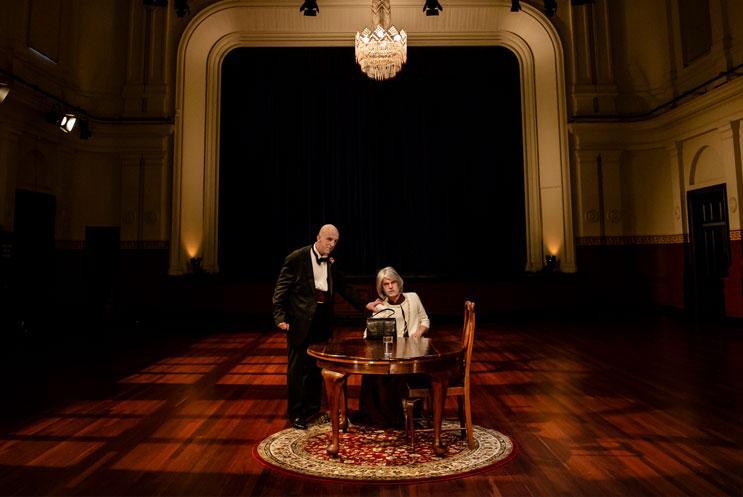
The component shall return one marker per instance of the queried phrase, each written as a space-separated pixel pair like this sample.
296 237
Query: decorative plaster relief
733 204
592 216
150 217
633 240
129 217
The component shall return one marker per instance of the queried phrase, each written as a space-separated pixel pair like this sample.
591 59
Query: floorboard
634 407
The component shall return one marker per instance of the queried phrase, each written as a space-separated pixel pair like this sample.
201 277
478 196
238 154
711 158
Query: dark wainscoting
648 275
734 281
618 277
643 277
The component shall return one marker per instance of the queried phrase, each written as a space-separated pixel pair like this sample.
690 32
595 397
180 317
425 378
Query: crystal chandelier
382 52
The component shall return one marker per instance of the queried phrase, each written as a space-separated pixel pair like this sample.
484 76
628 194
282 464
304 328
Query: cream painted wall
698 133
641 52
102 61
113 67
647 193
100 65
93 197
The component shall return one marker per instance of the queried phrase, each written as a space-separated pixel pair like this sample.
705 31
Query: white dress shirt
319 270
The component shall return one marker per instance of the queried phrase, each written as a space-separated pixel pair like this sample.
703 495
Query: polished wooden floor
597 407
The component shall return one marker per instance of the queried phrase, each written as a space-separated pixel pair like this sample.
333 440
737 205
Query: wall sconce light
195 263
4 91
550 263
515 5
432 7
309 8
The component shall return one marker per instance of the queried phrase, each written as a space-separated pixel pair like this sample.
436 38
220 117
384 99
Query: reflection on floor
640 407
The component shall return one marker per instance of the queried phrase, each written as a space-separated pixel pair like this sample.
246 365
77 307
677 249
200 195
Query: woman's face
390 287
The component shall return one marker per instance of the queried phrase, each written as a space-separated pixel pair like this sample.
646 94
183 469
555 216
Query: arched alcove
226 25
706 167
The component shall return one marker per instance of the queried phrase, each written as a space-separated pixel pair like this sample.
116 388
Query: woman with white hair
380 400
411 317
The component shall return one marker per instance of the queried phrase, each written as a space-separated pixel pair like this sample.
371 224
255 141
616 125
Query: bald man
303 308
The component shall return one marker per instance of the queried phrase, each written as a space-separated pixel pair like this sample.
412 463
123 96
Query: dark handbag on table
378 328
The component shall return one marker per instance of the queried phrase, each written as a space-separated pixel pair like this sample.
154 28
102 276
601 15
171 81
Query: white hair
389 273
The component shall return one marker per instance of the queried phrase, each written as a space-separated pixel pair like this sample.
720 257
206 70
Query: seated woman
380 400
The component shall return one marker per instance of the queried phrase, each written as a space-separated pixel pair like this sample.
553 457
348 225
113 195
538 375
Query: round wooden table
438 359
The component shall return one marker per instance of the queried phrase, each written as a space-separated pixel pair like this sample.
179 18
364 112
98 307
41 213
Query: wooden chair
459 386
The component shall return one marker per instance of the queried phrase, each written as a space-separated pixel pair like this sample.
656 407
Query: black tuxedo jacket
294 295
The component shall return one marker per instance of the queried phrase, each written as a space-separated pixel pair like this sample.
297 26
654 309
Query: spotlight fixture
550 7
515 5
181 8
4 91
432 7
67 122
309 8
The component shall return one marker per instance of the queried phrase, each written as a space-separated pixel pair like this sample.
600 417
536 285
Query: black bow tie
320 260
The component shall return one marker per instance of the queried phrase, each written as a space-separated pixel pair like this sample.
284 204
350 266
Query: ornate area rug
378 456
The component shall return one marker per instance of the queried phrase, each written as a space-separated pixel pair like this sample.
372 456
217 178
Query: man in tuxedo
303 308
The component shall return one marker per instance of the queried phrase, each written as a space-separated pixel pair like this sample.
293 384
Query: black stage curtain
423 172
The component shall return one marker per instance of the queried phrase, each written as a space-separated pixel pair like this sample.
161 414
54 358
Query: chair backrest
468 312
468 336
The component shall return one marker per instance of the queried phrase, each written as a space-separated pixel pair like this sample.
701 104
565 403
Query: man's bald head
327 238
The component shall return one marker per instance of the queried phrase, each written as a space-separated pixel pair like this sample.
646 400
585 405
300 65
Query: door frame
691 197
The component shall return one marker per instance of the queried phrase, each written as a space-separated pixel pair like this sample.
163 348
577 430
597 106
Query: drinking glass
387 339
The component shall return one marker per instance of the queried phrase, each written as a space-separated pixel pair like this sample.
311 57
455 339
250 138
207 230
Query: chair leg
461 415
468 419
407 416
409 408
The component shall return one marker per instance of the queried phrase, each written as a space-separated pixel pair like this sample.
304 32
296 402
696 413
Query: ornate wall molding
584 241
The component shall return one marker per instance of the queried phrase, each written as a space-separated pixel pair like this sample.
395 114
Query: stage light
309 8
4 91
515 5
67 122
432 7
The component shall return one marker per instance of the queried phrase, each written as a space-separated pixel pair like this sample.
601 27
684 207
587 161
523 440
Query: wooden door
709 250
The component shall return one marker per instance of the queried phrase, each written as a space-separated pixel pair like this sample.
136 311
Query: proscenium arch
229 24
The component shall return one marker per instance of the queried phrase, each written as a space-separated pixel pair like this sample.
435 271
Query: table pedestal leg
439 383
334 387
343 407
